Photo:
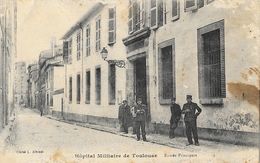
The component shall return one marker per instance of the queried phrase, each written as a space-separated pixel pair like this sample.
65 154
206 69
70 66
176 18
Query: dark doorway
140 79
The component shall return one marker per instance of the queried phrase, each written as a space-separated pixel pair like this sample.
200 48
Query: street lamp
118 63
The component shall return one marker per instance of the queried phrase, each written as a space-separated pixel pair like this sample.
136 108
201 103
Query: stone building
93 86
8 26
20 84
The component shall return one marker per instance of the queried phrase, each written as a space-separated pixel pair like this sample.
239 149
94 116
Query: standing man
140 111
175 117
124 116
191 111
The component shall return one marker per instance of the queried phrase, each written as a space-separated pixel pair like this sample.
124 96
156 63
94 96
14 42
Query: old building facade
171 48
32 84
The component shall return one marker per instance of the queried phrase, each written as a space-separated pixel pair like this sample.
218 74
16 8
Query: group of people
136 116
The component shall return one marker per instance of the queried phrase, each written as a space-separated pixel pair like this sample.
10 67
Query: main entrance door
140 79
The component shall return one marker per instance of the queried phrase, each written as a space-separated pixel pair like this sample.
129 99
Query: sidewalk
178 142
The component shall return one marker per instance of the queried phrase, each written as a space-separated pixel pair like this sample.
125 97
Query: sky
41 20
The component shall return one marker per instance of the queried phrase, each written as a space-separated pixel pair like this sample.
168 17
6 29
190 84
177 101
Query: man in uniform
124 116
140 111
191 111
175 117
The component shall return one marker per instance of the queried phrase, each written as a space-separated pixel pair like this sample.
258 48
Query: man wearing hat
140 111
191 111
175 117
124 116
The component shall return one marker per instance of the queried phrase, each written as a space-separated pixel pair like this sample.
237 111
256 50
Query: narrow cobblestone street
40 139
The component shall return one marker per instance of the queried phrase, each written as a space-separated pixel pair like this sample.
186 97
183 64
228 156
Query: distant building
50 79
21 85
32 84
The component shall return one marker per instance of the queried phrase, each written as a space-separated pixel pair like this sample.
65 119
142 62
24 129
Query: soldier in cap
140 111
175 117
191 111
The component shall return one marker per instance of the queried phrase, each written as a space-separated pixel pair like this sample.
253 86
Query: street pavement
40 139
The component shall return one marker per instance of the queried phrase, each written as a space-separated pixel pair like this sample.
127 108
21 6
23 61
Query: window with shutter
98 21
78 45
142 13
175 10
161 14
211 62
88 40
130 17
111 26
70 51
154 14
65 51
190 5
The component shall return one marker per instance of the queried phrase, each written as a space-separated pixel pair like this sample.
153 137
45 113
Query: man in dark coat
191 111
124 116
140 111
175 117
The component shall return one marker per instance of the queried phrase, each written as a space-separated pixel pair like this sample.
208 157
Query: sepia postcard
131 81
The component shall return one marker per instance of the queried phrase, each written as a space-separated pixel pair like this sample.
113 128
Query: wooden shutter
112 25
190 5
222 59
65 51
160 9
175 9
154 14
142 13
130 17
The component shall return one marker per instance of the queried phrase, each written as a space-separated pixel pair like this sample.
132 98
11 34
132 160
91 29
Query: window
190 5
98 46
111 26
70 89
88 86
211 55
158 13
88 40
136 15
78 88
175 9
47 99
112 84
98 85
78 45
166 72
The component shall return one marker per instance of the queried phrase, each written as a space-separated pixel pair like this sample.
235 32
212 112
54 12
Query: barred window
88 87
211 61
70 89
98 85
78 88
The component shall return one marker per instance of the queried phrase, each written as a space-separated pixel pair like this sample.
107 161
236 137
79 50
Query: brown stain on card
247 92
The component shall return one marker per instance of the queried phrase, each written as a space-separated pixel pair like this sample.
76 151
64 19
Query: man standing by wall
140 111
124 116
175 117
191 111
